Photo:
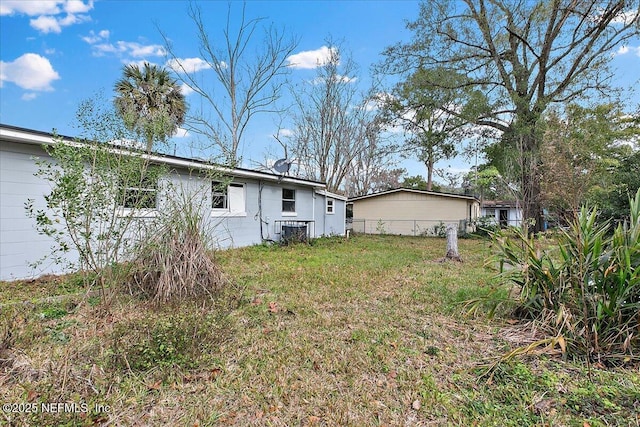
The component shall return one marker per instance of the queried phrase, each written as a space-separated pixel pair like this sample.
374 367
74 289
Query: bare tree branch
246 82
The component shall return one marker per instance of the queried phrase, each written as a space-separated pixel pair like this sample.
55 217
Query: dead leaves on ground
272 307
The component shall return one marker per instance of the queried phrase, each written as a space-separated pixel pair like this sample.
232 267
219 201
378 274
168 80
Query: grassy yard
368 331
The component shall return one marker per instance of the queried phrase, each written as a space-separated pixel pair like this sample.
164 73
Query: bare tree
373 169
526 56
333 122
246 82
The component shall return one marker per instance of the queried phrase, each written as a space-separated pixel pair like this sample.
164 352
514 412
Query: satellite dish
282 165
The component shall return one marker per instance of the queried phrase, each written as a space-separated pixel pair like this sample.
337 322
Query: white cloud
52 24
94 38
310 59
138 50
186 89
30 71
190 65
123 48
29 96
31 8
626 18
623 50
46 24
372 105
44 7
77 6
181 133
285 132
338 78
50 16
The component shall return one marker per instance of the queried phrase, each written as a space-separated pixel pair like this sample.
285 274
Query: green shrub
53 312
486 225
440 229
588 291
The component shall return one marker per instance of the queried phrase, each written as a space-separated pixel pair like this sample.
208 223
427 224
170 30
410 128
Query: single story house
254 207
503 212
413 212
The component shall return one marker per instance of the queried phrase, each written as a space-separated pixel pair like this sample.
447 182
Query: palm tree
150 102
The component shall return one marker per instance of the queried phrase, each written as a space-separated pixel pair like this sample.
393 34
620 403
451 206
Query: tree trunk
531 188
429 164
452 243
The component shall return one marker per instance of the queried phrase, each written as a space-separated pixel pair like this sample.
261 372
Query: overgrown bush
175 263
92 181
440 229
588 290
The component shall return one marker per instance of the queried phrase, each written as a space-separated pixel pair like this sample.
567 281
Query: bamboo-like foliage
588 292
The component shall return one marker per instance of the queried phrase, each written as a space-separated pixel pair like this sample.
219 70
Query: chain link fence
407 227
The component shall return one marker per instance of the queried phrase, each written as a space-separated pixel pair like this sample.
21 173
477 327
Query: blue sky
56 53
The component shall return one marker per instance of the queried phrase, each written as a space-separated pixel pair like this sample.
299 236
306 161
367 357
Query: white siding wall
21 245
272 208
330 224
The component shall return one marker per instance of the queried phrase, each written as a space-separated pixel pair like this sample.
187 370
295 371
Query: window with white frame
288 200
219 195
228 199
330 206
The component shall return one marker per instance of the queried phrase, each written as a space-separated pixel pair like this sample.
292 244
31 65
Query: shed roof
412 190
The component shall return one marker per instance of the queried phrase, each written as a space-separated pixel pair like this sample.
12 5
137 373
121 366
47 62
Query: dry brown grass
176 267
363 332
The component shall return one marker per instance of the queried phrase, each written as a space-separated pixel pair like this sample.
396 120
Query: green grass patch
19 291
366 331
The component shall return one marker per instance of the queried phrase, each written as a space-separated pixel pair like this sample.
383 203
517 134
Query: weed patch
185 339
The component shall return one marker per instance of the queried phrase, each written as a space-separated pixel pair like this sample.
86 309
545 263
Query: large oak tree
425 111
525 56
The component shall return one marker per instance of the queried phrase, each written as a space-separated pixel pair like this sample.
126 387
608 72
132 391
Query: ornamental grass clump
587 291
175 263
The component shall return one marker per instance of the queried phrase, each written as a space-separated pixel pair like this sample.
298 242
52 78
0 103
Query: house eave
27 136
332 195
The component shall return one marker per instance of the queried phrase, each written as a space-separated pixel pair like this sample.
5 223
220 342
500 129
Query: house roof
34 137
500 204
411 190
332 195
